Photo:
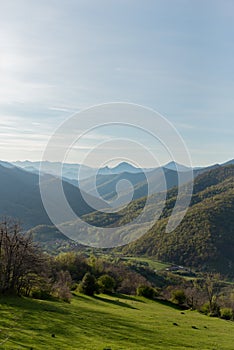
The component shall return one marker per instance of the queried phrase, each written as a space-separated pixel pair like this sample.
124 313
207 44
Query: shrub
212 309
226 313
205 309
147 291
178 296
40 294
63 293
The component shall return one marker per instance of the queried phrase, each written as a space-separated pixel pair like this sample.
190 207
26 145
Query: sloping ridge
20 197
159 179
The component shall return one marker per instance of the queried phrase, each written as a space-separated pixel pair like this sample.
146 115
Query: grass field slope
105 322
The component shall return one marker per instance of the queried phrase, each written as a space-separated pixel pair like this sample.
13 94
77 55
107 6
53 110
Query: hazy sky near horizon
58 57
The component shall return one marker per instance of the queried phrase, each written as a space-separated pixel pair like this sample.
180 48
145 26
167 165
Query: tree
210 285
62 286
106 284
19 259
88 285
73 262
194 297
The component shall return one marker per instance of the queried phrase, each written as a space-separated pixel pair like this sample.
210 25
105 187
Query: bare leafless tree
20 260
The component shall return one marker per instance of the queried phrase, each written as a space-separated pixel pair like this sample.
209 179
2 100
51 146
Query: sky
58 57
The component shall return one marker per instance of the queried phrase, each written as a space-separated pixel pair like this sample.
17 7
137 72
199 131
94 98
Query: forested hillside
205 238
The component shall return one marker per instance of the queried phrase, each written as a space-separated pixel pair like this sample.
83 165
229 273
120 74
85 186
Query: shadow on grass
170 304
113 295
126 297
114 302
38 305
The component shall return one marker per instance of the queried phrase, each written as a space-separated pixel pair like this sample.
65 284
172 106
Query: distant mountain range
104 181
152 181
69 171
20 196
205 238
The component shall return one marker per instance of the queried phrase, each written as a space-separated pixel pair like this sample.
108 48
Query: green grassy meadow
105 322
153 264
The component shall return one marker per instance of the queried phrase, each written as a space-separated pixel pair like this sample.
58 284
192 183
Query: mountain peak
176 166
124 164
125 167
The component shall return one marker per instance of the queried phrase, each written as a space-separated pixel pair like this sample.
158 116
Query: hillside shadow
126 297
81 296
114 302
36 305
170 304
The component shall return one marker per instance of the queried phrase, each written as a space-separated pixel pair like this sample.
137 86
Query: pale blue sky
60 56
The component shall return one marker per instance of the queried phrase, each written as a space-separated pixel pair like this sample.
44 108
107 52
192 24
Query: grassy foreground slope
108 322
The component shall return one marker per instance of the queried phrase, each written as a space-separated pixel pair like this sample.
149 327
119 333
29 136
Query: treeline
206 293
26 271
